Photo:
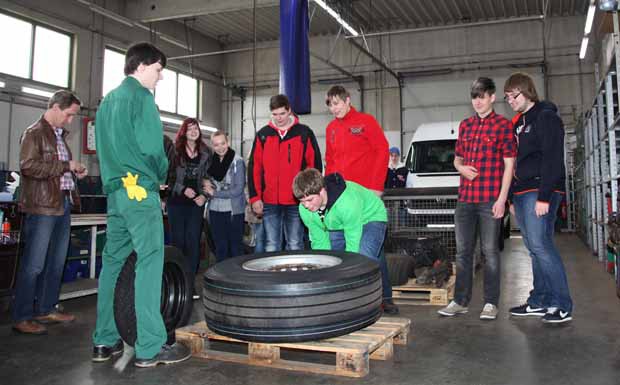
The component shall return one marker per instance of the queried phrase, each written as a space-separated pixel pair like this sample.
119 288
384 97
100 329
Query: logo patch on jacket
356 130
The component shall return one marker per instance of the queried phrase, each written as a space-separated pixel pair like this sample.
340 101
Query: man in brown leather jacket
48 190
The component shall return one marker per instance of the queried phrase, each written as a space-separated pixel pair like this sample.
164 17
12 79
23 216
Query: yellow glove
130 182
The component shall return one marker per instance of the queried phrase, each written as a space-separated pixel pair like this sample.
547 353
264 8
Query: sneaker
489 311
556 316
453 309
389 307
169 354
527 310
103 353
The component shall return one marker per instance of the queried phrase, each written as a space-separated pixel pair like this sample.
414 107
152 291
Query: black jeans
186 228
227 231
468 218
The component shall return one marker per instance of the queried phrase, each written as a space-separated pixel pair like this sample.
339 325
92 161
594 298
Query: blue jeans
227 231
550 283
282 219
186 228
468 218
259 237
371 245
40 269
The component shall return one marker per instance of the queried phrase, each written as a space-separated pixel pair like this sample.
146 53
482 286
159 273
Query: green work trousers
138 226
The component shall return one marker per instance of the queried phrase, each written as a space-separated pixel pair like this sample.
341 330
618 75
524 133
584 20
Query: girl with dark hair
227 205
187 196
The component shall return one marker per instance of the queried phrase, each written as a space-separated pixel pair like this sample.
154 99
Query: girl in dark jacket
187 196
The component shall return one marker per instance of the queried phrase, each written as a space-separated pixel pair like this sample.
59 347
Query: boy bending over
342 215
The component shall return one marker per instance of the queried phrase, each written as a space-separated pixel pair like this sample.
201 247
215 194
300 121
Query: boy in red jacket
356 146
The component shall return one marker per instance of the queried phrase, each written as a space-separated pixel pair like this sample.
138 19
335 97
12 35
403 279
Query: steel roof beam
451 26
156 10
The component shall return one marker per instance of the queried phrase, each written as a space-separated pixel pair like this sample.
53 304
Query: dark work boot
389 307
103 353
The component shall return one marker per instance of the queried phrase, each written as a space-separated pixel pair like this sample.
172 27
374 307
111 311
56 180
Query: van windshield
431 157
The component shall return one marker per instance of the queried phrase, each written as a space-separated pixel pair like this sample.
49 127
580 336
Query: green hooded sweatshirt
349 207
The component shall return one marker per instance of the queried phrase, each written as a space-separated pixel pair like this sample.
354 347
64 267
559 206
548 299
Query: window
165 93
113 70
188 96
431 156
38 53
177 93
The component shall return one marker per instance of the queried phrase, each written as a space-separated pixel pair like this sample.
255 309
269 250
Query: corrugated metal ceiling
379 16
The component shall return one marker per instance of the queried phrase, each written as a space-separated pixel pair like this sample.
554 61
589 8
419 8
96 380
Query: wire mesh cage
417 216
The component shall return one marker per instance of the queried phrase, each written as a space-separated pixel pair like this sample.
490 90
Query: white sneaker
453 309
489 311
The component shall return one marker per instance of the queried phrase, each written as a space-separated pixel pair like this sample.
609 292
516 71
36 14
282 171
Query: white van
431 155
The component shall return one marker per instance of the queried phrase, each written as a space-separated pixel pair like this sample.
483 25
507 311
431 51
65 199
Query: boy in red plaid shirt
485 157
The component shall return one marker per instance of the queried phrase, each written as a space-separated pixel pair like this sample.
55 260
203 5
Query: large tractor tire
292 296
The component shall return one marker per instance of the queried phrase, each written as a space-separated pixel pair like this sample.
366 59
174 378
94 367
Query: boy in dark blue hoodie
537 190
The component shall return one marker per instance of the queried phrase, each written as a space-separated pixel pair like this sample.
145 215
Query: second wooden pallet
412 293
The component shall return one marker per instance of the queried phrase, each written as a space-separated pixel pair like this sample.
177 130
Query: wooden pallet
412 293
352 350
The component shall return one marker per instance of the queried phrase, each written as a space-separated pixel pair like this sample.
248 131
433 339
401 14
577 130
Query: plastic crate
74 269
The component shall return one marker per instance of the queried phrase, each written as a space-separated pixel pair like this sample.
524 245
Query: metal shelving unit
596 171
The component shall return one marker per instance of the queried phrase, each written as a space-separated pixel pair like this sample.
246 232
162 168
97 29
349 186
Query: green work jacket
129 137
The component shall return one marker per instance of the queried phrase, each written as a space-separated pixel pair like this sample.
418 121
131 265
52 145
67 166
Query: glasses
508 97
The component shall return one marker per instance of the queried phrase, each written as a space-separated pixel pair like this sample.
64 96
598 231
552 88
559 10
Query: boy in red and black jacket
281 149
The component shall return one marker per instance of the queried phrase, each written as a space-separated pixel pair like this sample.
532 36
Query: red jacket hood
295 121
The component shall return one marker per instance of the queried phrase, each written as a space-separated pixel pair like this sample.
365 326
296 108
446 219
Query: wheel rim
172 298
288 263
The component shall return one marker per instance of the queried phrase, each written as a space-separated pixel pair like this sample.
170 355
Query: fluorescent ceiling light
336 16
36 91
207 128
584 48
179 122
171 120
590 19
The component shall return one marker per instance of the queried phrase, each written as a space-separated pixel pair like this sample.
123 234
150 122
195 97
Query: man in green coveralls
343 215
133 165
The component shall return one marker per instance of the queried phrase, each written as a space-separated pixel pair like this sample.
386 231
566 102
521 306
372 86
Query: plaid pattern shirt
66 179
483 144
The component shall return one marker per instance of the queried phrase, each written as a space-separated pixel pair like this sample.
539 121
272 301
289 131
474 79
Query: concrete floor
460 350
